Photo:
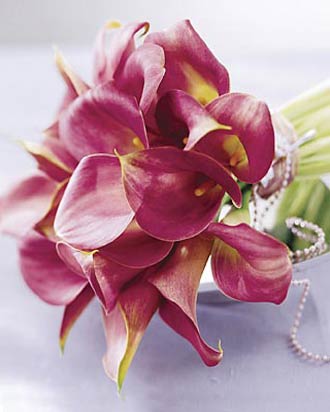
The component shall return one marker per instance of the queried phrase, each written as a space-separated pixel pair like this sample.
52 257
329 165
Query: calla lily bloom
235 129
135 71
189 64
101 120
121 45
249 265
196 182
95 199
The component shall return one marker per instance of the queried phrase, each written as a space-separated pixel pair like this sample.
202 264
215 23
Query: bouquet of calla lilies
145 173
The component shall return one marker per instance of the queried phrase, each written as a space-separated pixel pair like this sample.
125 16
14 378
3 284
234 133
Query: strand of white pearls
315 236
295 344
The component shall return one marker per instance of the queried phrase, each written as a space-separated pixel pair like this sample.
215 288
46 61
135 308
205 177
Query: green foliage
308 199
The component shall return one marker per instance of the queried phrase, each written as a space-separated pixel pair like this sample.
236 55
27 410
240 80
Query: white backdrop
242 24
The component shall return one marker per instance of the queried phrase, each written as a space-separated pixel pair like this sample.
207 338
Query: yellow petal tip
61 343
220 349
113 24
146 29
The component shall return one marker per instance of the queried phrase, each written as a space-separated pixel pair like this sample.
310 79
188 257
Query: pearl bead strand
317 240
295 344
317 247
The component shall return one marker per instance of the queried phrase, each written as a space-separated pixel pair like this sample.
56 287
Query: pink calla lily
109 60
249 265
136 71
95 198
250 146
102 120
124 328
184 121
235 129
189 64
195 181
178 281
142 74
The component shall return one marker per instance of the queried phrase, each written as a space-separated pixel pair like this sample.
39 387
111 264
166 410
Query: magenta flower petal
25 204
135 248
173 316
106 277
75 86
183 120
178 277
142 74
175 194
178 280
77 261
189 64
111 278
45 226
102 120
57 148
248 149
72 312
45 273
249 265
52 158
121 45
81 263
124 328
94 210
